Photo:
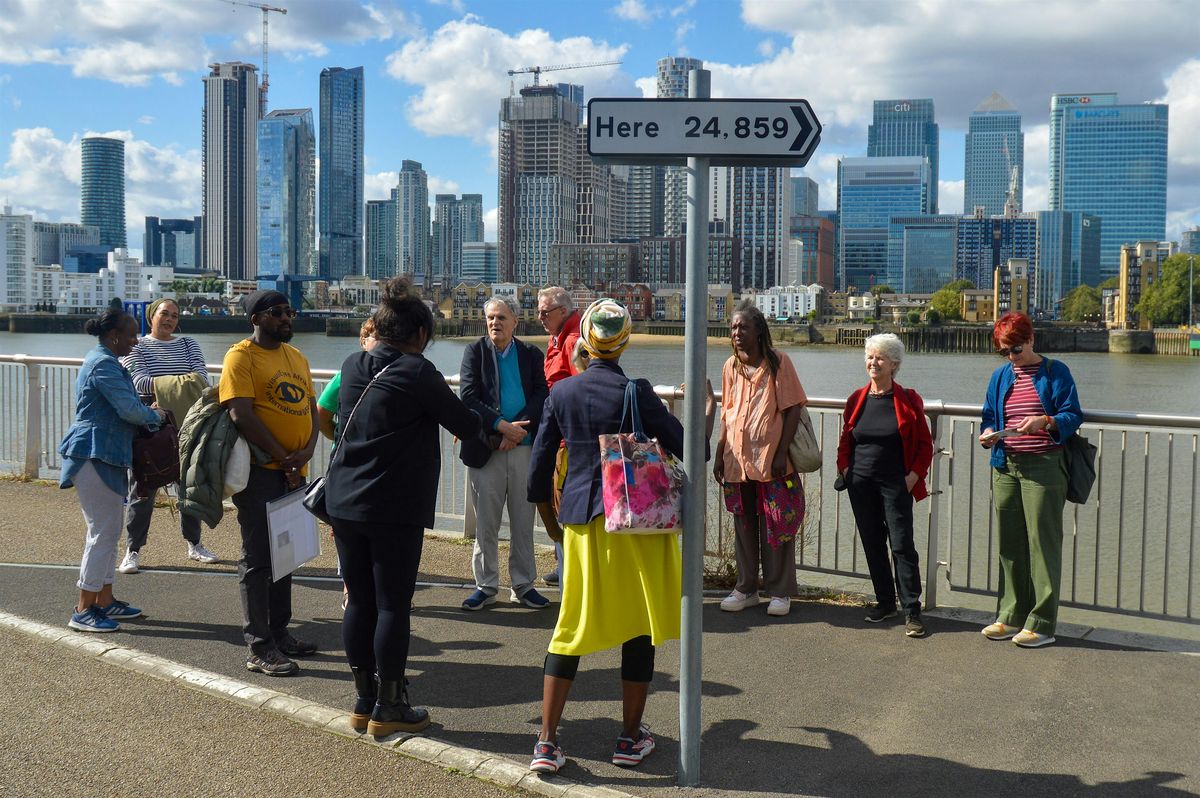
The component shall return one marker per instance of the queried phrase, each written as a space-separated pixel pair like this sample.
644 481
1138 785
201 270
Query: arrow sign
730 132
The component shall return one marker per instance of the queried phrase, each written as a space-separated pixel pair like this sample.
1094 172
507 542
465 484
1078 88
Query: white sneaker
737 601
129 565
780 605
197 552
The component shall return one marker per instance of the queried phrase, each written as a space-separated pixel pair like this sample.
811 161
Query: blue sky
435 73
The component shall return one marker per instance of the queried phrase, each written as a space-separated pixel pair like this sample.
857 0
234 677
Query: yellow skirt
616 588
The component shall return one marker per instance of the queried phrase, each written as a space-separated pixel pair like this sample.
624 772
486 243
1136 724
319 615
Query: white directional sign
730 132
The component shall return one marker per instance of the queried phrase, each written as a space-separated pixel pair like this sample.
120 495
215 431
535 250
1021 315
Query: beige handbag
804 449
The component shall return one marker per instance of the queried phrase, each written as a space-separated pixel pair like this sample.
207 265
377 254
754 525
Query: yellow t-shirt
279 382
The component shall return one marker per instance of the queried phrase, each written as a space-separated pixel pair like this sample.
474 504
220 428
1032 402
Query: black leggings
637 662
379 566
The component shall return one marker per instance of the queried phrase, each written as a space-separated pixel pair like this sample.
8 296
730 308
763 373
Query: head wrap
153 307
259 301
604 329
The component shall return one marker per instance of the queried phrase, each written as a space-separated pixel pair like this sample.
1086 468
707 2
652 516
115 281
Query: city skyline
423 65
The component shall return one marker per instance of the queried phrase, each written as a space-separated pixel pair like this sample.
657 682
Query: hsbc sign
1078 99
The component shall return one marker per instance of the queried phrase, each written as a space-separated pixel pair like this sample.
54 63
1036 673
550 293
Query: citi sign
902 107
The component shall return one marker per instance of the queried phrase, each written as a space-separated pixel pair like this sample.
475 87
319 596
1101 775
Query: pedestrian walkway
817 703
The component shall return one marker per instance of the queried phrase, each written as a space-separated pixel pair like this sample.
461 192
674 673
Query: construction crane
266 80
1011 206
538 70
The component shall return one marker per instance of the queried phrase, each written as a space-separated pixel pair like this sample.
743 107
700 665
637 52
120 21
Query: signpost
701 133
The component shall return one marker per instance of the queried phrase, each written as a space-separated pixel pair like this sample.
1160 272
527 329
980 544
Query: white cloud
438 185
682 30
457 6
647 86
133 42
634 11
950 195
145 119
766 48
683 8
491 224
1037 168
42 176
461 69
379 186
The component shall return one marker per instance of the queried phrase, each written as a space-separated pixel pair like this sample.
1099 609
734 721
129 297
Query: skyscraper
16 260
172 242
985 243
538 165
342 172
755 204
673 82
456 221
287 192
1191 242
103 191
995 146
644 208
230 127
411 197
906 128
804 196
574 92
871 191
921 252
1068 255
381 239
1110 160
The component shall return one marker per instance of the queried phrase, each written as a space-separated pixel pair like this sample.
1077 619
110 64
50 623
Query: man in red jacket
557 314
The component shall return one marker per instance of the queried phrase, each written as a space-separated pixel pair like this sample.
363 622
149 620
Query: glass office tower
921 252
870 192
103 189
342 172
1068 255
995 146
286 193
904 128
1110 160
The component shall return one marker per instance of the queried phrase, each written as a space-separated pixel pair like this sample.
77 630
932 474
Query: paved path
818 703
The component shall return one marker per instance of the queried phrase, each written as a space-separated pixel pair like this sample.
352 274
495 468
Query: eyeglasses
279 311
544 313
1012 350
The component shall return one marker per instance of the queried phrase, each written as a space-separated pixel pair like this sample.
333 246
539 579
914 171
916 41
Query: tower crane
538 70
266 80
1010 201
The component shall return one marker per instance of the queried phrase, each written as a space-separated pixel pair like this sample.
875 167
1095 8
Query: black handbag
155 457
1080 455
314 494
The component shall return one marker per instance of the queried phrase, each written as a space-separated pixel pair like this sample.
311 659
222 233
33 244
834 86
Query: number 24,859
763 127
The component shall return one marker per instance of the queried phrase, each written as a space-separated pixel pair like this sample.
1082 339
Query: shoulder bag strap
349 418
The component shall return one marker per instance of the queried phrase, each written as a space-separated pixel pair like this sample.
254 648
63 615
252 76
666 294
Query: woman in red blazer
883 457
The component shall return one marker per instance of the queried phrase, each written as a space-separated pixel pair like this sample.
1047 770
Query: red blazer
914 433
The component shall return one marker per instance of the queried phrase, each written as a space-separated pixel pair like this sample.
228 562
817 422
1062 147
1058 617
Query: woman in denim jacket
96 454
1030 409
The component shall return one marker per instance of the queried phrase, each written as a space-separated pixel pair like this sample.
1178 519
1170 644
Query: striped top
1023 401
154 358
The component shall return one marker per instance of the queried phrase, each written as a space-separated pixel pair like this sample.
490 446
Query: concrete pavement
817 703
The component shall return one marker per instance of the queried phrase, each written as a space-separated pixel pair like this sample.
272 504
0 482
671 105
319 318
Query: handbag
1080 455
155 461
642 483
803 449
314 494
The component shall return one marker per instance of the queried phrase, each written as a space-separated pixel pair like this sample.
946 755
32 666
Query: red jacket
559 348
914 433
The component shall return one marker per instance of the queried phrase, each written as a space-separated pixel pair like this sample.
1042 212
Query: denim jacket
1055 388
107 412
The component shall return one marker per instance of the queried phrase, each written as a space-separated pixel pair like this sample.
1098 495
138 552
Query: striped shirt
154 358
1023 401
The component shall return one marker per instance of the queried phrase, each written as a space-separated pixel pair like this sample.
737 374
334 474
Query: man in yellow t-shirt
267 386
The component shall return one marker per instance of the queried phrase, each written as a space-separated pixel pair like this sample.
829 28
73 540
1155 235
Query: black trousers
266 604
379 566
883 511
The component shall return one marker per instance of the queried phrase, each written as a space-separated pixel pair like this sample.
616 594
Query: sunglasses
544 313
279 311
1013 350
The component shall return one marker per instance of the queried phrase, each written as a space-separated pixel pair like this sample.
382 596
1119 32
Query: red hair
1012 329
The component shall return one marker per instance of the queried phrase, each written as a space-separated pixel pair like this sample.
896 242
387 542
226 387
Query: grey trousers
502 481
752 549
137 521
103 512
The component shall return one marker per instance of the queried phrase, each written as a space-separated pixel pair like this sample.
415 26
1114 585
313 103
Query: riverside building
230 143
905 128
102 191
342 172
286 194
411 199
994 157
871 191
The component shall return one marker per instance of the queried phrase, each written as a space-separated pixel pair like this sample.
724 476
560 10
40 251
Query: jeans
266 604
102 511
883 512
137 521
379 566
1030 492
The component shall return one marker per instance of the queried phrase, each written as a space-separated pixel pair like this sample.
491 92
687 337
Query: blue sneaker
551 578
92 619
547 757
121 610
531 599
477 601
630 753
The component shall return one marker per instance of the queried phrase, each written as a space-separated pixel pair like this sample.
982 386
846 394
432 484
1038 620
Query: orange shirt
752 408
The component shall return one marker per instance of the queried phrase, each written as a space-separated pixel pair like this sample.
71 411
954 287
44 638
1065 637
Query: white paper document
293 532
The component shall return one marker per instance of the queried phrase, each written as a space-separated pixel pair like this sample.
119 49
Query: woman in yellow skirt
618 590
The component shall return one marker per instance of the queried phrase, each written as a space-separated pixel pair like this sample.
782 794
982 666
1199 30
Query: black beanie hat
259 301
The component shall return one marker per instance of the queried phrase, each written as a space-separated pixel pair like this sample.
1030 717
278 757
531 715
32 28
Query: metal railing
1131 549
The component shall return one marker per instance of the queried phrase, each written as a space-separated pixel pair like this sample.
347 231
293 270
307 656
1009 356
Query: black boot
368 691
393 713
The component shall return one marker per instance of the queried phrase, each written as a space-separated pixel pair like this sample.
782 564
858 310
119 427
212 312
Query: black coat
388 460
479 387
579 410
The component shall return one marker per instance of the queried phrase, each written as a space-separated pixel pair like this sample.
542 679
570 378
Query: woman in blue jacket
96 454
1030 409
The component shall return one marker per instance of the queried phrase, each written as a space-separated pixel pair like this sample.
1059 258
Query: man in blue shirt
502 379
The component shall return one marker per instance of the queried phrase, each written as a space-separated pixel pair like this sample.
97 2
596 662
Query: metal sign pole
695 361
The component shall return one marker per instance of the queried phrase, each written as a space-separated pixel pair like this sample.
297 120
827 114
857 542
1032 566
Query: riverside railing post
695 359
933 556
33 419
